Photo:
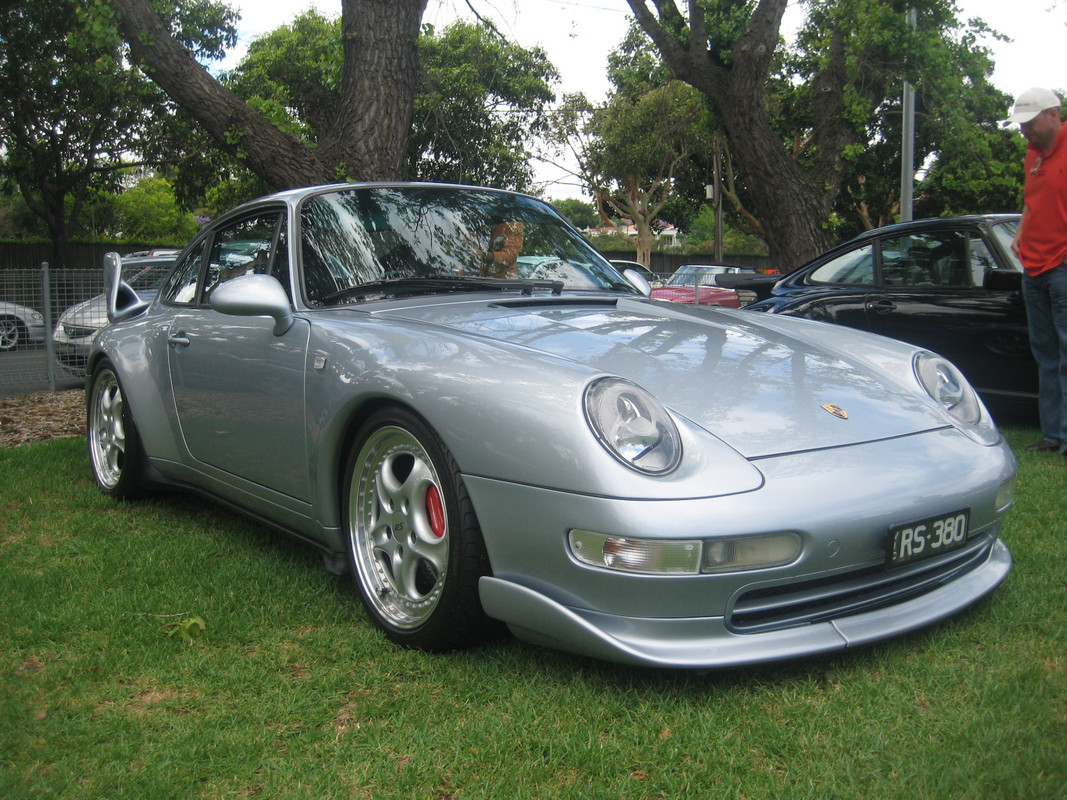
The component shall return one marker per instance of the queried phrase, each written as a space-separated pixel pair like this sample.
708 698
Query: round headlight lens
946 384
633 426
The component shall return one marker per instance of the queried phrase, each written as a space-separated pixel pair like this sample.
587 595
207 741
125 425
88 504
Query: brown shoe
1044 446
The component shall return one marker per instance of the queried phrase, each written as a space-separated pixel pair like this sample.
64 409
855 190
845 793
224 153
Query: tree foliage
631 149
578 213
972 159
638 147
148 212
293 75
799 122
480 101
646 154
362 128
71 111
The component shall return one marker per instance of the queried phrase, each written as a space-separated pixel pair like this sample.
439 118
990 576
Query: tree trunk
369 133
378 85
45 198
789 204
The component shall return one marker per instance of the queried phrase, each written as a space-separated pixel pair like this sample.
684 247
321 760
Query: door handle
883 306
178 339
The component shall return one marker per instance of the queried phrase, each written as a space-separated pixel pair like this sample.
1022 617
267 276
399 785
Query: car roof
933 223
292 196
148 261
915 225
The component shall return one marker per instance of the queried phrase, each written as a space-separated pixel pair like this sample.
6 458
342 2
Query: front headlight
943 381
633 426
946 384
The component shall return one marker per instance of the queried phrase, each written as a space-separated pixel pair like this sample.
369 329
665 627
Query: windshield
415 235
685 276
146 277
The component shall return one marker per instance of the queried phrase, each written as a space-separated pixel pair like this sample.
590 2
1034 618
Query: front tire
413 539
115 453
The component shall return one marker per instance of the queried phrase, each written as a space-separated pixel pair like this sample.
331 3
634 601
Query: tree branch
281 160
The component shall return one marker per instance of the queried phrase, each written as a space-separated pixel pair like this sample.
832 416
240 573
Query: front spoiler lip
705 643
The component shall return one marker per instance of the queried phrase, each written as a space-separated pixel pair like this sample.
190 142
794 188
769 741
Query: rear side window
854 267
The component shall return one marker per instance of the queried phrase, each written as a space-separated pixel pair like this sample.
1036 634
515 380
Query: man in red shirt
1041 244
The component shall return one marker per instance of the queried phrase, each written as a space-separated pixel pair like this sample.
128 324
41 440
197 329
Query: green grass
291 693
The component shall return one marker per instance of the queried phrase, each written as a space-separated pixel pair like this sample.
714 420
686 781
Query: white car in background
19 325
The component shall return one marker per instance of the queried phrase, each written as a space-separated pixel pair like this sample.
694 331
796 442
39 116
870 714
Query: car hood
763 385
91 313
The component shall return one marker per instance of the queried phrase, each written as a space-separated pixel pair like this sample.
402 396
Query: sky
577 35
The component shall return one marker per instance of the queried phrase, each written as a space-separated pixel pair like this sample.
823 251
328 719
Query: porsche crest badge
836 410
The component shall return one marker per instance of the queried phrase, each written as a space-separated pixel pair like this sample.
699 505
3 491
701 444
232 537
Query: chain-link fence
43 325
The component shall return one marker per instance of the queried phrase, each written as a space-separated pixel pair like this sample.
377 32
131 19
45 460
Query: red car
683 283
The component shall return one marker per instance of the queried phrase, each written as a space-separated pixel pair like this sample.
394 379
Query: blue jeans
1046 310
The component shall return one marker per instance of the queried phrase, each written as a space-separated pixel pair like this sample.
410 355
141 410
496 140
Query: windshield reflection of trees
359 236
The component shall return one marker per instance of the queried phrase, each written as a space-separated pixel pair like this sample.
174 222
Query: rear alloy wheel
114 446
414 542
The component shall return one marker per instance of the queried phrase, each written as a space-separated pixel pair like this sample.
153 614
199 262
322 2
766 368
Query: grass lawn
289 692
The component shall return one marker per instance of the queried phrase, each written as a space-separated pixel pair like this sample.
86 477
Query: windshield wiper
439 284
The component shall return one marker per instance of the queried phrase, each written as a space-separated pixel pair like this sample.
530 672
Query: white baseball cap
1031 103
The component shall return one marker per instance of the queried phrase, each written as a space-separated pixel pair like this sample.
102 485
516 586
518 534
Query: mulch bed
43 415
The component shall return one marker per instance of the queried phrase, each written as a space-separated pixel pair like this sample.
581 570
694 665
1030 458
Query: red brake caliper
435 511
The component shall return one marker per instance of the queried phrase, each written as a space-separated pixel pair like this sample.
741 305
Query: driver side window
248 247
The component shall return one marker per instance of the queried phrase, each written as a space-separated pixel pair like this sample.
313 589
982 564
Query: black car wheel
114 446
414 542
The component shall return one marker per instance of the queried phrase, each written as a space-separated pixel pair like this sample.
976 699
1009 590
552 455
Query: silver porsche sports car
456 399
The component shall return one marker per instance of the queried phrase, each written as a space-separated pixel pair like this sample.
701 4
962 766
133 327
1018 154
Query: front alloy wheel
415 547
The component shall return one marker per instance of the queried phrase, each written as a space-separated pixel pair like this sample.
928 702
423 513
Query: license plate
926 538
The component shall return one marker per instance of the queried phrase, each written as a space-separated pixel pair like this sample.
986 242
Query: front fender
537 436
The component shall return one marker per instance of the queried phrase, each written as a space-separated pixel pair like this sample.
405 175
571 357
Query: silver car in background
78 325
461 404
19 325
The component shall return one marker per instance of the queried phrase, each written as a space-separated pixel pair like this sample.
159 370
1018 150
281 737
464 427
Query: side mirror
639 282
254 296
122 300
1003 280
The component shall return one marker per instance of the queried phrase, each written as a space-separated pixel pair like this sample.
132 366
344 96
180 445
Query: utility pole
907 145
718 205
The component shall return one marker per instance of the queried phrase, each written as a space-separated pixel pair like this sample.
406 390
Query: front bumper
837 594
707 643
72 357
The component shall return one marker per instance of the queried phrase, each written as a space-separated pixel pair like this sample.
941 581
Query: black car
950 285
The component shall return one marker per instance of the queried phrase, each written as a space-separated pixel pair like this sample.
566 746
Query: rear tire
413 540
115 453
